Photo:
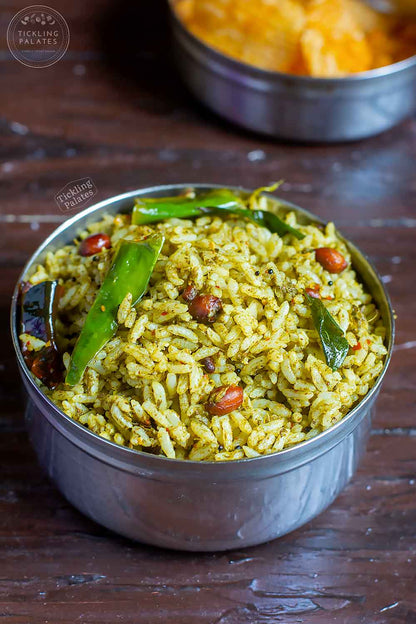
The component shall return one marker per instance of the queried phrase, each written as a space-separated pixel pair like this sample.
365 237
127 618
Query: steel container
299 108
199 506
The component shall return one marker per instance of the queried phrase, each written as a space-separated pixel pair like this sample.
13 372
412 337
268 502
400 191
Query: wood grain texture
113 109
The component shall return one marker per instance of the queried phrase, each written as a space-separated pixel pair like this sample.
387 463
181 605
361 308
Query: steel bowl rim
159 460
302 80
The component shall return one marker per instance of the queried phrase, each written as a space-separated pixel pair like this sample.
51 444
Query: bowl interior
66 232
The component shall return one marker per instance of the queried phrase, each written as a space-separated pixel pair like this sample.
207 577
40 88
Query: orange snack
327 38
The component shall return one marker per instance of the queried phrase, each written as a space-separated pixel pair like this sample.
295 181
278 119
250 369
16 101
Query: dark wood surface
113 110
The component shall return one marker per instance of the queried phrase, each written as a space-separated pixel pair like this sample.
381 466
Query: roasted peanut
208 364
205 308
331 260
94 244
189 293
224 400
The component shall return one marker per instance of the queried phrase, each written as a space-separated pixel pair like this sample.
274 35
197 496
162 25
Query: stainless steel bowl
293 107
200 506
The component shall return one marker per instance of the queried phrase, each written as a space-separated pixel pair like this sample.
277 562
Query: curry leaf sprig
130 272
334 343
218 201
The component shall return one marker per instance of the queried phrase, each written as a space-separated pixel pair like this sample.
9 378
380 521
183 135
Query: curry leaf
334 343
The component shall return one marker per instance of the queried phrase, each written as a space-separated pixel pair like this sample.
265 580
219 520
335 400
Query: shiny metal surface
396 7
292 107
190 505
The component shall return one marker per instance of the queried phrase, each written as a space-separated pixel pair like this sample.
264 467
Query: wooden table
113 110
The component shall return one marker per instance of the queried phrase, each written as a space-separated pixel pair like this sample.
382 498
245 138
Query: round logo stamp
38 36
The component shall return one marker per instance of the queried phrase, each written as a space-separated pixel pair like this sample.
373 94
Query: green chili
130 272
150 209
221 201
334 343
272 222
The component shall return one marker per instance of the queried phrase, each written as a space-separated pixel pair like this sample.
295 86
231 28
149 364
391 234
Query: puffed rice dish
152 386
